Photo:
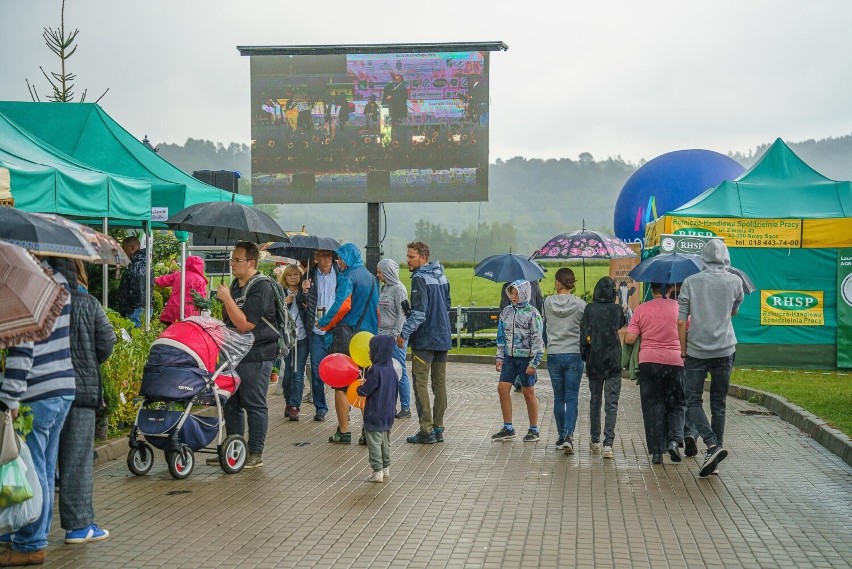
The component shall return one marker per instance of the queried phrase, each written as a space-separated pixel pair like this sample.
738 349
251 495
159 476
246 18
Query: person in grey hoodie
393 301
562 314
709 299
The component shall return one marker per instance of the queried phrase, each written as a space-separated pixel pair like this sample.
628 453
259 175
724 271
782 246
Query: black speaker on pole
224 180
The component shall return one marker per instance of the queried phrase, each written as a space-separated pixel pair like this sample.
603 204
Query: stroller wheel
140 459
180 467
232 454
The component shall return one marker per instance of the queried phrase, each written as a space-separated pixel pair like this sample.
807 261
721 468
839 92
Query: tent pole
105 273
149 253
182 279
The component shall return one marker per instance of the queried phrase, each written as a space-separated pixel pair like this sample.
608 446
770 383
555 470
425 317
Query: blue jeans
695 372
48 417
404 383
565 372
251 398
318 351
294 376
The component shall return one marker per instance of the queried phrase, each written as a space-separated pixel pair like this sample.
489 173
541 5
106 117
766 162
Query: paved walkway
781 500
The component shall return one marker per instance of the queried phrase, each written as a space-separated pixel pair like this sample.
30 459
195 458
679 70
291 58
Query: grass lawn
825 394
468 290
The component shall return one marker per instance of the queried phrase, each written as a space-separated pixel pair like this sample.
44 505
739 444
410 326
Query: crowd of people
679 337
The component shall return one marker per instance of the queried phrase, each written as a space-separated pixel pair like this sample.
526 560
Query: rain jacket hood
390 271
715 256
604 290
351 255
524 291
381 349
195 264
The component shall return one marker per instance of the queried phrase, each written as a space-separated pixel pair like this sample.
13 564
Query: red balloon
338 370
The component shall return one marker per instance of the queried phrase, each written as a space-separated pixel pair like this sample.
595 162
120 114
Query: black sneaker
421 438
531 436
403 414
690 448
504 435
674 451
559 442
439 434
362 440
320 416
714 456
656 459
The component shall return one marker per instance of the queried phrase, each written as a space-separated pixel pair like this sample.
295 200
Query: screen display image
377 127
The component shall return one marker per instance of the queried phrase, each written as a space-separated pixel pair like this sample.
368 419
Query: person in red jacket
195 280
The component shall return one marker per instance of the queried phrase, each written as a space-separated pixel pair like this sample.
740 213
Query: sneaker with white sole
594 447
377 476
568 446
254 460
531 436
713 457
386 472
607 452
504 434
560 442
86 534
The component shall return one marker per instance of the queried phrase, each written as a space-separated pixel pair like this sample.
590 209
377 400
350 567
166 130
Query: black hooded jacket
600 344
92 338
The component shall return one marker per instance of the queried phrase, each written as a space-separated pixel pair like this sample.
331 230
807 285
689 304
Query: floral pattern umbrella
584 244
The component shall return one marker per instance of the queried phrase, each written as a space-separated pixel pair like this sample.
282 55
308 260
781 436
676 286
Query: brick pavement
782 500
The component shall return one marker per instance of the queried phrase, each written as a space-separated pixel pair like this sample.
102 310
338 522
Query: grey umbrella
227 220
748 285
43 236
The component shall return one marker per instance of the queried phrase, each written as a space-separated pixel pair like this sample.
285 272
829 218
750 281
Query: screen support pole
374 250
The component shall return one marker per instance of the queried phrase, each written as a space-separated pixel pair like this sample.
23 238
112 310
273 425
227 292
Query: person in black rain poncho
600 348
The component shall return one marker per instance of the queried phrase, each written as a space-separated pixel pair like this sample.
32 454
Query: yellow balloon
359 348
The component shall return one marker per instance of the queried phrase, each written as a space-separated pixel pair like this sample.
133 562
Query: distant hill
530 199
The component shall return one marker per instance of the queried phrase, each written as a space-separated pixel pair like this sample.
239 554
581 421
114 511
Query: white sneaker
386 473
607 452
377 476
595 447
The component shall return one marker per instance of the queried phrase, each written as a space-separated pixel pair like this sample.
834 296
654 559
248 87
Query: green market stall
88 134
789 227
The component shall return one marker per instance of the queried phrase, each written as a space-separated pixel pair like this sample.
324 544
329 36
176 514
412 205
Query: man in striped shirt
40 375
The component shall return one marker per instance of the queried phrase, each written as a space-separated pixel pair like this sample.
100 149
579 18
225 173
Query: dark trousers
294 372
76 463
662 398
608 390
695 372
248 404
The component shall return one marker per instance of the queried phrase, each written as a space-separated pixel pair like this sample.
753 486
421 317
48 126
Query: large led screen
379 127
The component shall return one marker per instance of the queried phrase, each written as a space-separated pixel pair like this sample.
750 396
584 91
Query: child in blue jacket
380 388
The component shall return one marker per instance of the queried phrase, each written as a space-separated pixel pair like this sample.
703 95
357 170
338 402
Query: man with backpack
249 306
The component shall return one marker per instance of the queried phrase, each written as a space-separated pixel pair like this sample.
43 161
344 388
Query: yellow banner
827 233
791 308
739 232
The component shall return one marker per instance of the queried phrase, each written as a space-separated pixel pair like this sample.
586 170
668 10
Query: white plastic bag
15 517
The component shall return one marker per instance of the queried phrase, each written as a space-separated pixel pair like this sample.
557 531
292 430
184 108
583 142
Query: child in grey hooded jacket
393 299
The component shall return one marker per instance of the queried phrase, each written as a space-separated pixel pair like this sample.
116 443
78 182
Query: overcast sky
635 78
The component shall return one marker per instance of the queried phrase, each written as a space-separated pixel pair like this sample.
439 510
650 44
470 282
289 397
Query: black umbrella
748 285
43 236
507 268
301 245
227 220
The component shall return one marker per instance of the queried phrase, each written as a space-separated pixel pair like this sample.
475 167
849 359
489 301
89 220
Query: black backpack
285 325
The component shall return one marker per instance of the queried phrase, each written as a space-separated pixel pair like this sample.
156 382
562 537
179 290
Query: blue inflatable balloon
666 183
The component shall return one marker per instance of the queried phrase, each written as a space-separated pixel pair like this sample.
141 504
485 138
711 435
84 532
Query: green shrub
122 372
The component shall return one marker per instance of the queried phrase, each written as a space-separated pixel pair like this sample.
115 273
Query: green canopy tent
44 180
87 133
783 223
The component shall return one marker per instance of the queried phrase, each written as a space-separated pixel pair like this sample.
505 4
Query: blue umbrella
508 267
666 268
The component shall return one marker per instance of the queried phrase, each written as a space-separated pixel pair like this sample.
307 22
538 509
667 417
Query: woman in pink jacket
195 280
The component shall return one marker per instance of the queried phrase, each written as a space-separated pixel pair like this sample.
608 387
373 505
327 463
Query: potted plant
273 377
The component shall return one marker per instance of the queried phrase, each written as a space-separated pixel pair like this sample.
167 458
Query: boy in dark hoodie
600 348
380 388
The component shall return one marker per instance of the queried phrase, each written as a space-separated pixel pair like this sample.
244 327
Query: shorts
516 368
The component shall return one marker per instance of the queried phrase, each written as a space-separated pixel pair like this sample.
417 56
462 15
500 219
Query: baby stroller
191 366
